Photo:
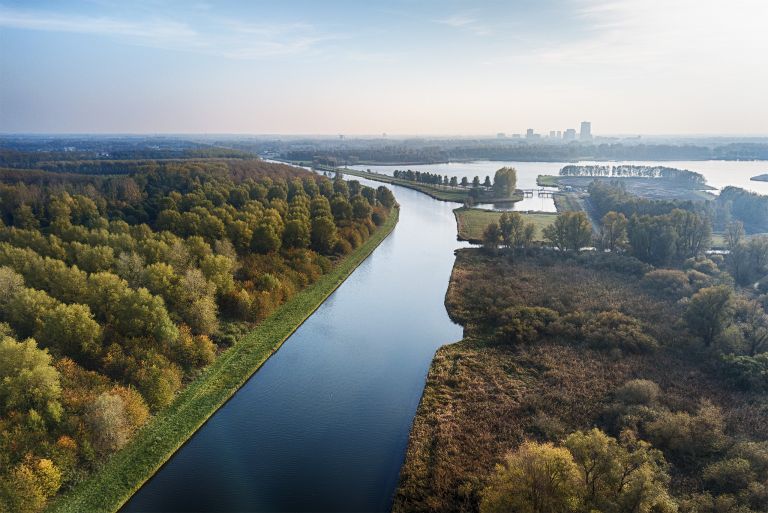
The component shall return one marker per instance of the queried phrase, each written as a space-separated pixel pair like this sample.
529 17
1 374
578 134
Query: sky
443 67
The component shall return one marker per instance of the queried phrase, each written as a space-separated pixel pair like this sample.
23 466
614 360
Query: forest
119 289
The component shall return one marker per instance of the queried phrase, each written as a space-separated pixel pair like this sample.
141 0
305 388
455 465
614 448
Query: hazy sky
400 66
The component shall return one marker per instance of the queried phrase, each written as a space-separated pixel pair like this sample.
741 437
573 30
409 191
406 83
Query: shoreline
110 487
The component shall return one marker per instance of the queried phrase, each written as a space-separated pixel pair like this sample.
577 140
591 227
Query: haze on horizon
402 66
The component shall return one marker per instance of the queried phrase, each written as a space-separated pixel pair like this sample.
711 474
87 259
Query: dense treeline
750 208
426 177
613 197
660 232
99 158
429 152
690 178
116 289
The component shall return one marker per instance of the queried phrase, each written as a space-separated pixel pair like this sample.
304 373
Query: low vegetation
583 361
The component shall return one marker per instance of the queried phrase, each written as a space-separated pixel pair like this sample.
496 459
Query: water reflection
324 424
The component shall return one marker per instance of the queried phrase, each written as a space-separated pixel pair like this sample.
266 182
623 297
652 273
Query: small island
501 191
760 178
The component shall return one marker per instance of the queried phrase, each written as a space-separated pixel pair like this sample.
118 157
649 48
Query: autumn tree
27 377
613 231
708 311
505 182
515 232
491 236
619 476
570 231
536 478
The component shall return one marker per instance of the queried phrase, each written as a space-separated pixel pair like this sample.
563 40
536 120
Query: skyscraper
569 134
586 130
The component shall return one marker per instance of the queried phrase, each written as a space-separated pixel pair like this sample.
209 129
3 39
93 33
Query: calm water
717 172
324 424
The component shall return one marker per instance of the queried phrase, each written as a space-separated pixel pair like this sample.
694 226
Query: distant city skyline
680 67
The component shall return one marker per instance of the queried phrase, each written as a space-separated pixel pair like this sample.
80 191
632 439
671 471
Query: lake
718 173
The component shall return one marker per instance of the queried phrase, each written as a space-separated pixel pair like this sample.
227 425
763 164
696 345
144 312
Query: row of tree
504 181
690 178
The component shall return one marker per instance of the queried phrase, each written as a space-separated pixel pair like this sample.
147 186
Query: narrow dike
126 472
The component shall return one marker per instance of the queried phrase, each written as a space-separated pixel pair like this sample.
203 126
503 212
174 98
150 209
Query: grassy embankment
471 222
565 201
112 485
438 192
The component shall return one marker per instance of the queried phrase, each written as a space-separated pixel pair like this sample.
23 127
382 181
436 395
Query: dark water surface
323 425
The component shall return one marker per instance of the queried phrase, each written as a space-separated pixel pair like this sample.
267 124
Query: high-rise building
559 134
552 134
586 130
529 133
569 134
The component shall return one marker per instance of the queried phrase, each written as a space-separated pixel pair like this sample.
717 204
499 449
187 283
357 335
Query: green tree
616 477
361 210
29 485
708 311
734 234
536 478
323 234
686 438
505 182
341 208
515 232
158 380
267 237
570 231
72 330
27 377
491 236
751 323
613 231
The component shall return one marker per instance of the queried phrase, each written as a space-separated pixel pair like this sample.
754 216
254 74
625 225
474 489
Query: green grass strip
126 471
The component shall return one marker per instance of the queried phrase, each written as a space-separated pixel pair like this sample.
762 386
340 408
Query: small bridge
540 192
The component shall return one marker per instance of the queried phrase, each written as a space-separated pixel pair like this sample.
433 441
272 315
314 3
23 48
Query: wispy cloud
233 39
466 23
646 36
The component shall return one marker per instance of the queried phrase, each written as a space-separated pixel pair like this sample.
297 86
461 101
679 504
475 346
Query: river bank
109 488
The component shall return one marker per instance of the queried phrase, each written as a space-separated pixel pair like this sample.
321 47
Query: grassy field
111 486
442 193
546 180
472 221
